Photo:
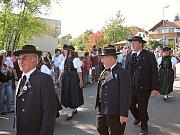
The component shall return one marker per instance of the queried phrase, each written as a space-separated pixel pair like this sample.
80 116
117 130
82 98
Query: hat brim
112 54
142 41
19 52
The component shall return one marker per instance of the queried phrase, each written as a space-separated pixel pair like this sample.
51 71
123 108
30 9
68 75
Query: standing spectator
143 70
5 87
56 60
166 64
36 104
86 68
95 64
72 82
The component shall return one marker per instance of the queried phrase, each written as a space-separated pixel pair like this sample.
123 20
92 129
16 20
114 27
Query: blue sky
80 15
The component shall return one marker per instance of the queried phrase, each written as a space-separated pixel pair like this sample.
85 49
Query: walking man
35 96
113 95
143 70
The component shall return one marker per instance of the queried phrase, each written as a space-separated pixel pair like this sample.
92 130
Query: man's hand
155 93
123 119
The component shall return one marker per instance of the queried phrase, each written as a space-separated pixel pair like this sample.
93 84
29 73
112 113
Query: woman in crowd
5 87
166 72
72 83
86 68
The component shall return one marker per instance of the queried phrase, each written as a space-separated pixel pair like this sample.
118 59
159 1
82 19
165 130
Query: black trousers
109 124
139 105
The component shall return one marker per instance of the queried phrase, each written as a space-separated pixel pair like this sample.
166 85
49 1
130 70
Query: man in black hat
143 70
35 96
113 95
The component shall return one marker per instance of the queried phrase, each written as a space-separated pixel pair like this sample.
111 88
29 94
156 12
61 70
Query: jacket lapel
27 87
140 58
111 75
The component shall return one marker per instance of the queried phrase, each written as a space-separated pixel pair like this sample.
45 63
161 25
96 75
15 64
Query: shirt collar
137 52
113 66
28 74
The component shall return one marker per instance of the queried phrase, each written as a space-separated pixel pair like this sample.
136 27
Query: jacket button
105 94
23 110
105 102
141 87
106 87
23 99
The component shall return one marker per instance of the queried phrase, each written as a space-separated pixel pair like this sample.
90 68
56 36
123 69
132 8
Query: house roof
135 30
175 24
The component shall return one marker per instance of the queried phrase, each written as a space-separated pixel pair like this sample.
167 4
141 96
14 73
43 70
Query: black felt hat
70 47
26 49
166 49
137 38
110 50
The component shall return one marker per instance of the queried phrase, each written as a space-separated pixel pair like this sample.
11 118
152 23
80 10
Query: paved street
164 116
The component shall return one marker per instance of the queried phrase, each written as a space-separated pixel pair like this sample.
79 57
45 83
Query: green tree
81 42
114 31
67 39
177 18
18 23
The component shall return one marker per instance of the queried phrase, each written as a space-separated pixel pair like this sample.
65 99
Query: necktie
133 64
134 58
22 83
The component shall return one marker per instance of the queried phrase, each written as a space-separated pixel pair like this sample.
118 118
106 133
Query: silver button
105 102
105 94
23 110
23 99
141 87
106 87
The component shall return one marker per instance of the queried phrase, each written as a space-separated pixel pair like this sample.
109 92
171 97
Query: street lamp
163 25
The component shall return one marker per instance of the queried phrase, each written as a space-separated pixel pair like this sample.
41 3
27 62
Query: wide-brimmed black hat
110 50
166 49
26 49
65 47
137 38
70 47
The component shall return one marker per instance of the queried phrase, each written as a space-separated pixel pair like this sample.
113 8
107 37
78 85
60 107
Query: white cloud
79 15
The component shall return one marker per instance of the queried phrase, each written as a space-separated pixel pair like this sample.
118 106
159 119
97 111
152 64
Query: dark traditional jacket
146 71
116 93
36 106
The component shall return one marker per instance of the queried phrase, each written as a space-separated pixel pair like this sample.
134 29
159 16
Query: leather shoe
143 132
136 122
69 118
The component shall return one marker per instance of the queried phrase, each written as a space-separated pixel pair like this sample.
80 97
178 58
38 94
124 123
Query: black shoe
165 99
69 118
75 111
144 132
136 122
3 113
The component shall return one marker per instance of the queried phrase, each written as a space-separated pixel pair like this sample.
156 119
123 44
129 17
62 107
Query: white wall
48 44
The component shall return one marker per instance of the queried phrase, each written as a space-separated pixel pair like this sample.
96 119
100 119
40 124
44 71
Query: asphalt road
164 116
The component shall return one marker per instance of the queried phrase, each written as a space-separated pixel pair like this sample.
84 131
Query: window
171 30
159 31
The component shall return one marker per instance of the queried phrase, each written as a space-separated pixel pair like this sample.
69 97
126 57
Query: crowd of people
126 78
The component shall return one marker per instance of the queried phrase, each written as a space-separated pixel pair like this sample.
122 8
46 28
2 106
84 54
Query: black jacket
36 107
4 78
116 93
146 72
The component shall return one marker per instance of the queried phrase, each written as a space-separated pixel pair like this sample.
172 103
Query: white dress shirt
77 63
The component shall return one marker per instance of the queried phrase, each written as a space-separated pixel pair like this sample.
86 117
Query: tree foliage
177 18
18 24
114 31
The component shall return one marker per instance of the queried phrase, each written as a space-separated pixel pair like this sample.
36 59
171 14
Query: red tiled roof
175 24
